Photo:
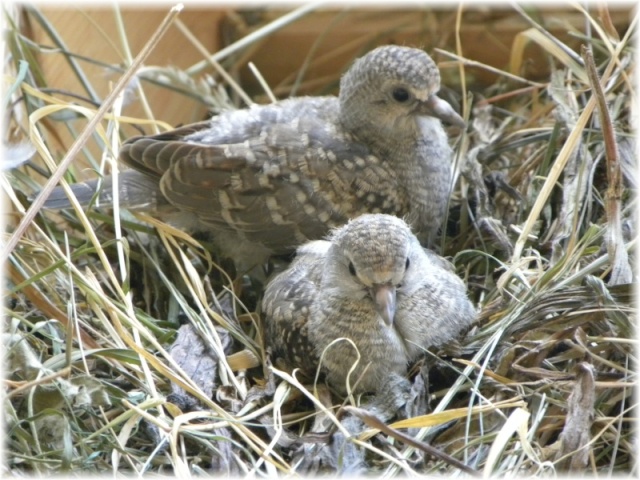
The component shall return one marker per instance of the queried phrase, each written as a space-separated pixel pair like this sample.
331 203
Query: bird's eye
352 269
400 94
407 263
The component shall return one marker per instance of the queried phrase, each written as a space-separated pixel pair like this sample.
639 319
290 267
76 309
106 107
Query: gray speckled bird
269 178
372 283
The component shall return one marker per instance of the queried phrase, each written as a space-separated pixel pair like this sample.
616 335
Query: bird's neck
418 153
423 167
384 141
426 180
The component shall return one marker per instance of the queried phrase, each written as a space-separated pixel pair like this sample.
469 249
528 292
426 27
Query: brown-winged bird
369 290
266 179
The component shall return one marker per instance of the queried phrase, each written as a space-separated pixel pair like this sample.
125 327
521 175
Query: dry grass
541 227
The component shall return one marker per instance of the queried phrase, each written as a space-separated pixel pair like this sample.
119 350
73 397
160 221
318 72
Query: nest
131 346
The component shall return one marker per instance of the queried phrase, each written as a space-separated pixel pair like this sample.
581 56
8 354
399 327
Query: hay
541 227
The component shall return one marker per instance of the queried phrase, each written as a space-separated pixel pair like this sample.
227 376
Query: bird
369 290
265 179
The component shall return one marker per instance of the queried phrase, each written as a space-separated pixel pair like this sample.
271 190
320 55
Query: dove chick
266 179
369 291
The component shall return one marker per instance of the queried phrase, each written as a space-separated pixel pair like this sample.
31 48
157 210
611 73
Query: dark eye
400 94
407 263
352 269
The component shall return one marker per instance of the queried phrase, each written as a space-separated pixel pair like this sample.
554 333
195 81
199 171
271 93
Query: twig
374 422
45 305
214 63
255 36
620 270
41 381
473 63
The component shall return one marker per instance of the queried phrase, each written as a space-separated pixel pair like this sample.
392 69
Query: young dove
369 290
266 179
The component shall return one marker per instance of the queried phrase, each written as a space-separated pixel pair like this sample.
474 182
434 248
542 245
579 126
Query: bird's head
371 259
389 89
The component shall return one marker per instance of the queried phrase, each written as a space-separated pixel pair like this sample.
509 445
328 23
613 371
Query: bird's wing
154 154
438 309
286 307
283 185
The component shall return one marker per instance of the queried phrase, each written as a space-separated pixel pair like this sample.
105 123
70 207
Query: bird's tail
137 191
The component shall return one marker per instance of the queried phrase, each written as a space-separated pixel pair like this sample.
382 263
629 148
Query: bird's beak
436 107
384 296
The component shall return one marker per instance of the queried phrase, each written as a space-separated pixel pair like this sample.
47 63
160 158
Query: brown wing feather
286 308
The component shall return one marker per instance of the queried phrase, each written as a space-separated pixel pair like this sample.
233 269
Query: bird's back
276 175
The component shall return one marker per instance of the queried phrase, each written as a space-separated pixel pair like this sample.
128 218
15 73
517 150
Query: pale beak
384 295
436 107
